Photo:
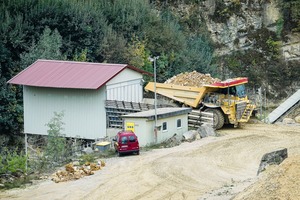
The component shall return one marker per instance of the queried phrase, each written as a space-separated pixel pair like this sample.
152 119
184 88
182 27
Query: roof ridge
80 62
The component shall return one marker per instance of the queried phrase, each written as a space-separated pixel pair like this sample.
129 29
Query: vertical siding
84 111
126 86
125 91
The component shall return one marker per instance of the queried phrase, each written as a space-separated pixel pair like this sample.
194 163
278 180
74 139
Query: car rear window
124 140
131 138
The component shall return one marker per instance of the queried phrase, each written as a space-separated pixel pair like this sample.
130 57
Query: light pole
155 96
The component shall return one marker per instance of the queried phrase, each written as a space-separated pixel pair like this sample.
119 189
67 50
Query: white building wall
172 128
144 129
126 86
84 111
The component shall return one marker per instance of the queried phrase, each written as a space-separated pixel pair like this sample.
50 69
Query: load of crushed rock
72 172
193 78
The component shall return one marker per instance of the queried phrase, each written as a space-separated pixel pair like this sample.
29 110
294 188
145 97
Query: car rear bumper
128 151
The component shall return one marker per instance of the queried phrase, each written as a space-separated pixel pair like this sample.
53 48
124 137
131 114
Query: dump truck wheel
218 117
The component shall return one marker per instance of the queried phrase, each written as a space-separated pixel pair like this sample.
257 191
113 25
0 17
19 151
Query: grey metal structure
291 103
115 109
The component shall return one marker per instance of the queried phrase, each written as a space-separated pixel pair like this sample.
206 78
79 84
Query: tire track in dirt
188 171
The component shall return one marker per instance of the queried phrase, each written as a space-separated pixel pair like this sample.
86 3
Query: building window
178 123
164 126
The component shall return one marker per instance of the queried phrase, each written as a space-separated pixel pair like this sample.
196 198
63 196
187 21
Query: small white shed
170 121
80 90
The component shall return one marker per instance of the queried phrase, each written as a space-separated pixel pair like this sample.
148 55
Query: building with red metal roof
79 90
69 74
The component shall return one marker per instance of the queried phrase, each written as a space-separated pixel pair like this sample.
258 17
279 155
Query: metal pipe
155 95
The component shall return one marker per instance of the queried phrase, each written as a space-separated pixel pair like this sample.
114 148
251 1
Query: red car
126 142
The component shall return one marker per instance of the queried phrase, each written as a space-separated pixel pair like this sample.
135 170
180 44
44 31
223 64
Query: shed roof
160 112
69 74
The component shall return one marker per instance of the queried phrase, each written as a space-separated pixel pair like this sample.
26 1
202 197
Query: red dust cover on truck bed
230 82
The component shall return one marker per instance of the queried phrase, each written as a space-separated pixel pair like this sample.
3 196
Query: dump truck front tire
219 118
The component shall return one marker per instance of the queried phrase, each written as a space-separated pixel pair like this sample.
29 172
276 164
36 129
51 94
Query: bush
12 162
87 158
13 168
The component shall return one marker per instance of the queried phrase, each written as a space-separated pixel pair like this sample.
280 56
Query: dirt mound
192 79
278 182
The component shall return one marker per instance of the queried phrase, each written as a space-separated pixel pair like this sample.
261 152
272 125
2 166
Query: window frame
179 120
164 126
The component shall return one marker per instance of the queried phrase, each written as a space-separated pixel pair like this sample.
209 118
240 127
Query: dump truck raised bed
227 100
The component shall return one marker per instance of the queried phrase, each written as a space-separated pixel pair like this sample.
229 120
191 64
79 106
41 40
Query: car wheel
138 153
119 154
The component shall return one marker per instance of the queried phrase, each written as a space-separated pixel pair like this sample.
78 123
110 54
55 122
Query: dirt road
210 168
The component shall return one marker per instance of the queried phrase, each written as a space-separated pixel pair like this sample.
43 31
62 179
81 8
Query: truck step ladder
247 113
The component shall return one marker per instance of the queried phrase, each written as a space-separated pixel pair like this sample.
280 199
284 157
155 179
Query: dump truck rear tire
219 118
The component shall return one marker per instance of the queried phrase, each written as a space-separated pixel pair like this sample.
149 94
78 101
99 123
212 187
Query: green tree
291 15
137 54
82 57
48 47
56 145
113 47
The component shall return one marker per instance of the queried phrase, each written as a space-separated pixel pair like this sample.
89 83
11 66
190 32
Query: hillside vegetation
131 31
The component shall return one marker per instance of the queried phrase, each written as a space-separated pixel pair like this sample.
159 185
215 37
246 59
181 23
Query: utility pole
155 96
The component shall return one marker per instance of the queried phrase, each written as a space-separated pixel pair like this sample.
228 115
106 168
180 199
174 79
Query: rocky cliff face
231 21
232 33
291 49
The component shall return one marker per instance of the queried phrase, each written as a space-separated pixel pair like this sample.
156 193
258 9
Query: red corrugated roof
69 74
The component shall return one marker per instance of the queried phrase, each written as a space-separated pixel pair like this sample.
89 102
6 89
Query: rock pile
72 172
171 142
277 182
194 78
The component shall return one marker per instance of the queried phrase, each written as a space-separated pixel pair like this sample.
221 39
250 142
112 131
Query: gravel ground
212 168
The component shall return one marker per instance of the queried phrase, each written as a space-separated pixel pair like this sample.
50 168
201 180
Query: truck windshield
240 91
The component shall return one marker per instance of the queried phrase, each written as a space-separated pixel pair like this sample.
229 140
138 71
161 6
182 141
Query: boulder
206 130
170 142
189 136
288 121
297 119
272 158
88 150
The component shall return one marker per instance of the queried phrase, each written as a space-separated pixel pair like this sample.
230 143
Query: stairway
247 113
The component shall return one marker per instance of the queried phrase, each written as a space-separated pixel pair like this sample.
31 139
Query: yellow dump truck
227 100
